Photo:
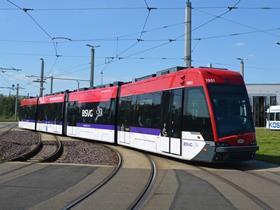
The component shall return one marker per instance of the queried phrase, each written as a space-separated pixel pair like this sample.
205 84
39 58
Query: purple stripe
50 122
99 126
151 131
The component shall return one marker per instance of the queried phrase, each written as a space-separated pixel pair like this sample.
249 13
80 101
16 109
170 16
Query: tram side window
125 111
41 112
143 111
147 110
27 112
156 117
72 113
55 112
21 113
196 115
51 112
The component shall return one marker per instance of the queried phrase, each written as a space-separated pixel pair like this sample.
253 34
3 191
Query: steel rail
54 156
245 192
29 154
98 186
139 202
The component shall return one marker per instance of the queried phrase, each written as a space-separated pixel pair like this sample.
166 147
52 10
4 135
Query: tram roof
28 101
179 77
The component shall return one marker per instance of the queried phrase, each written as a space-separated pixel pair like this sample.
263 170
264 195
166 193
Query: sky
135 38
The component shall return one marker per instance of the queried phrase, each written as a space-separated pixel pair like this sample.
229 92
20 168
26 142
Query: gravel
16 143
87 153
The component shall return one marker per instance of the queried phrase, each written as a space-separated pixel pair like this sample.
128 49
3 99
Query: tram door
124 134
171 121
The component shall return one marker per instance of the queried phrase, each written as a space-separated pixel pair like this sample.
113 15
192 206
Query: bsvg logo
87 113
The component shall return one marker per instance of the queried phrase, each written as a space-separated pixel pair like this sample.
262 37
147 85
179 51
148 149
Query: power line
149 9
152 40
25 41
42 55
120 37
142 8
53 65
238 23
25 82
237 66
229 9
180 36
95 8
242 8
26 11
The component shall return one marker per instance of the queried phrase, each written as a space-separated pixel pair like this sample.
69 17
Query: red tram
200 114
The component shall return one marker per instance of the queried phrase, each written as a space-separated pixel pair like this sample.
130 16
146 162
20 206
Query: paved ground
179 185
187 186
4 125
125 187
24 185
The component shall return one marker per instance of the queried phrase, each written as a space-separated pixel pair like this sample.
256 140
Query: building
261 97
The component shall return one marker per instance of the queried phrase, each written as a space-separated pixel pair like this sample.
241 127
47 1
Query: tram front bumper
235 153
230 149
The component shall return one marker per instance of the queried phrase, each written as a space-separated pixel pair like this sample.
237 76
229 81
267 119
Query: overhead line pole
92 68
42 78
188 28
17 95
51 77
92 52
16 102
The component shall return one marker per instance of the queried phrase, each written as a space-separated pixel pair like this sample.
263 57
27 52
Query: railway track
98 186
242 190
35 155
139 202
263 177
44 151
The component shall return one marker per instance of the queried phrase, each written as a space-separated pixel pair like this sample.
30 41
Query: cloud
240 44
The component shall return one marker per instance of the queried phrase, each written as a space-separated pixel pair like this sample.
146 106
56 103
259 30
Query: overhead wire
195 46
244 8
156 40
26 11
53 65
141 33
97 8
238 23
237 34
237 66
180 36
142 8
170 40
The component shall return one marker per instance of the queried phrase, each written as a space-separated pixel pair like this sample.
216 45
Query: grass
269 143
